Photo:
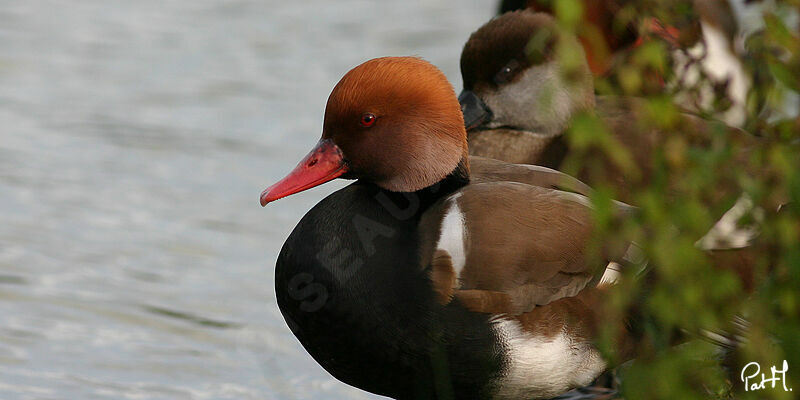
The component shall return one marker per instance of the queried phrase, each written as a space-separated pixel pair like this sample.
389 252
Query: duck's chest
350 285
518 147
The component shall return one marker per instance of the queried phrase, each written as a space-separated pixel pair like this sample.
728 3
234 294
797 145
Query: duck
437 275
518 102
519 99
703 39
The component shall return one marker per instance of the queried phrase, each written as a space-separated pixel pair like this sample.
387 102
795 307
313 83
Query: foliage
687 291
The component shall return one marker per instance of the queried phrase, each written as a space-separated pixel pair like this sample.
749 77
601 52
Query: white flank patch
453 233
541 367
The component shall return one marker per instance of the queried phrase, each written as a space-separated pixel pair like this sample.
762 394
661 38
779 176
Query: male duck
417 281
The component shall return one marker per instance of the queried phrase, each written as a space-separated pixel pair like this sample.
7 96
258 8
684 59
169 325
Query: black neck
425 197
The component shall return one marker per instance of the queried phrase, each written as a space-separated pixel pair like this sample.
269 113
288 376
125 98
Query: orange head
393 121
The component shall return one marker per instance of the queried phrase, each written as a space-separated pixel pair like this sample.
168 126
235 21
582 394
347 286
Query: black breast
351 287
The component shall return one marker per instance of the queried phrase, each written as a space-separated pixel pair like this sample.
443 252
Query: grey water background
135 138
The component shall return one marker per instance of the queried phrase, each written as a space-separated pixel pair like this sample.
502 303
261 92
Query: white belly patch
543 367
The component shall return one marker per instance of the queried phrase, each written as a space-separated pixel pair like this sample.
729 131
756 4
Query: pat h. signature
751 371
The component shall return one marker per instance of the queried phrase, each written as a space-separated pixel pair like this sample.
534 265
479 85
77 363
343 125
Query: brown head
393 121
521 71
600 32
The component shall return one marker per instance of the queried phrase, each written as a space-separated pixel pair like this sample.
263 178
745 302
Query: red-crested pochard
421 280
519 99
700 37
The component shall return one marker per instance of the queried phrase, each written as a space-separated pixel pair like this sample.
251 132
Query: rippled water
135 138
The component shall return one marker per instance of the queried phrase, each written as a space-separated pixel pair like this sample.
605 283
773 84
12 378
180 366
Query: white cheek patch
542 367
540 101
453 234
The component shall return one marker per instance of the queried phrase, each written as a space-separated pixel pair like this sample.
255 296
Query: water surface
135 138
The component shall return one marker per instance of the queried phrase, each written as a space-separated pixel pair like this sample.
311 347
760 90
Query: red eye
368 120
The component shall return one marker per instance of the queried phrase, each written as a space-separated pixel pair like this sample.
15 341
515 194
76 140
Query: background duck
703 41
521 94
